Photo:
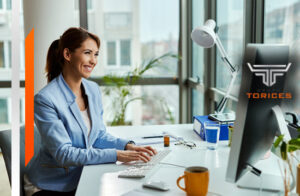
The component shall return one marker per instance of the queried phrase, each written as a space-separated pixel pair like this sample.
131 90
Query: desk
103 179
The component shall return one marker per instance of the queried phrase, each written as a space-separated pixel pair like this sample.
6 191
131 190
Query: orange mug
196 181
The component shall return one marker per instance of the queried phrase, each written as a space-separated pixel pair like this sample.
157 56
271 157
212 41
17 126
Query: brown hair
71 39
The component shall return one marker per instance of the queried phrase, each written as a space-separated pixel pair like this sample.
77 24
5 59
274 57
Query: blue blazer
66 146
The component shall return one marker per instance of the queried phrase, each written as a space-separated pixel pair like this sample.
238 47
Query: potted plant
120 88
287 151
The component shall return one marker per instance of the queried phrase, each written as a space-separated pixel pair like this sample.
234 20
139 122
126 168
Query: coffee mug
195 180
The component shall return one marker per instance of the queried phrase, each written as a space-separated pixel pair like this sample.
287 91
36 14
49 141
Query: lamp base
222 117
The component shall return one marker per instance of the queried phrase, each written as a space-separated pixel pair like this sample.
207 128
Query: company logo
269 73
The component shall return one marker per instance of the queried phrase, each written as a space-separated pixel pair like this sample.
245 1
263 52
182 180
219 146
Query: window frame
253 33
118 55
148 80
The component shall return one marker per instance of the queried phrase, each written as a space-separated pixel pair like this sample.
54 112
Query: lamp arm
224 55
223 102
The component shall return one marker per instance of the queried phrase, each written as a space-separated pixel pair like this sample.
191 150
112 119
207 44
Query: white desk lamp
206 37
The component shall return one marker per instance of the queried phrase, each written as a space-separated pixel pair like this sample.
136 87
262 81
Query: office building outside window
131 34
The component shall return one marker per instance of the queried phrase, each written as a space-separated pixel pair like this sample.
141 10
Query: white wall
49 20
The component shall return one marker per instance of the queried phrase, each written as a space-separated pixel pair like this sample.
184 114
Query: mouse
158 185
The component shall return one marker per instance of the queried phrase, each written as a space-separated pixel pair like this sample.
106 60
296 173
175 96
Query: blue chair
5 145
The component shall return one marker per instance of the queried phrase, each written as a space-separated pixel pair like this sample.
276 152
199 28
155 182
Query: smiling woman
68 113
78 43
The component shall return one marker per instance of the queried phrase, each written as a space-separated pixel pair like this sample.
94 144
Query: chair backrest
37 145
5 145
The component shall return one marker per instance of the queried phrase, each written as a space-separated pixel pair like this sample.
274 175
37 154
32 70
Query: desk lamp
206 37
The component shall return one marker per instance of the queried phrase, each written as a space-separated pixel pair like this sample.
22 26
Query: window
155 104
282 26
89 4
133 35
197 59
5 4
8 4
118 53
117 20
125 52
282 21
230 23
3 111
111 53
2 55
9 54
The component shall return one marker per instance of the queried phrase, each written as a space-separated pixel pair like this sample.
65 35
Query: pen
149 137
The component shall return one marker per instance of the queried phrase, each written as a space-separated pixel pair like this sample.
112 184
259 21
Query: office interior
189 81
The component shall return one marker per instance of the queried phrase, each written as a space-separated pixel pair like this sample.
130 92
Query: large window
230 22
133 32
198 59
282 26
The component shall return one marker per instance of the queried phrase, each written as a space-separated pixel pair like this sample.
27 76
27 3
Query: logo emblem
269 73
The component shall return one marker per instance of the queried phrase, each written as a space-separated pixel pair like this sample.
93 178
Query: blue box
198 122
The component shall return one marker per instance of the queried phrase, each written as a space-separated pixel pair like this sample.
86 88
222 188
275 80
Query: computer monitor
262 87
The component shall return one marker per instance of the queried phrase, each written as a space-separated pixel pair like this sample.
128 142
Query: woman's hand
129 155
147 149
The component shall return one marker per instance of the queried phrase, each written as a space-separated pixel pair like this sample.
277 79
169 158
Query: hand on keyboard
129 155
139 170
147 149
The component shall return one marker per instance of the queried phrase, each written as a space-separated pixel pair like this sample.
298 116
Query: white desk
103 179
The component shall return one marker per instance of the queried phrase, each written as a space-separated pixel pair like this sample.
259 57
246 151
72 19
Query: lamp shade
205 35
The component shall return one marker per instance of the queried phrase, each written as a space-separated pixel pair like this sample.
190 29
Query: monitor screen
263 75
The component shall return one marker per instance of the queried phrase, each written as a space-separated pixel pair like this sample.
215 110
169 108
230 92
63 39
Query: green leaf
119 86
283 151
292 148
278 140
295 141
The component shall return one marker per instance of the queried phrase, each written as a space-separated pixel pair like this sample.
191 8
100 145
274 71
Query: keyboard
140 169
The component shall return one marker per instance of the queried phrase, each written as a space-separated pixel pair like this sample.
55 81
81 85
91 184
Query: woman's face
84 59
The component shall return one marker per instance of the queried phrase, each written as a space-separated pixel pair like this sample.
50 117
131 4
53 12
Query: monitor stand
265 182
270 178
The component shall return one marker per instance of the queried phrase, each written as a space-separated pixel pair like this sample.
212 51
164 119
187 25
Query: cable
172 164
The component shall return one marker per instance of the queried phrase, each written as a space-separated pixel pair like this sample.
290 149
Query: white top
86 117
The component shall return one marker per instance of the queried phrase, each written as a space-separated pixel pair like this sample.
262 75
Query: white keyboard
140 169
